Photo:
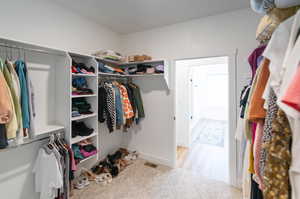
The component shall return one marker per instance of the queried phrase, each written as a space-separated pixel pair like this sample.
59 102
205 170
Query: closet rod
29 49
109 78
30 141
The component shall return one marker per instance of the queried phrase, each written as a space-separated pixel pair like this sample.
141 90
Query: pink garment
253 130
257 151
87 154
292 95
73 163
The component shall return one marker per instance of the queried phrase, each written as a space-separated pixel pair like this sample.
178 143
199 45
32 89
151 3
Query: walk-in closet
149 99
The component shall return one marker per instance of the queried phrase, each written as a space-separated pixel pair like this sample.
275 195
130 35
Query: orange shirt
256 108
127 108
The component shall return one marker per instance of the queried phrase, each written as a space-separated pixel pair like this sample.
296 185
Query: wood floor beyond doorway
182 153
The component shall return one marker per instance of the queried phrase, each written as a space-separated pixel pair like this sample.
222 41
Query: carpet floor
142 182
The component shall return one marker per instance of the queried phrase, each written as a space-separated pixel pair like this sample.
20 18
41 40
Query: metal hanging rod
112 76
29 49
30 141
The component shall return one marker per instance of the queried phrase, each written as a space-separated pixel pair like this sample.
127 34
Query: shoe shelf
165 75
83 75
131 63
88 158
78 96
91 120
81 117
80 138
137 75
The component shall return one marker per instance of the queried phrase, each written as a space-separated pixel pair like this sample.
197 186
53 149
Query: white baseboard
153 159
156 160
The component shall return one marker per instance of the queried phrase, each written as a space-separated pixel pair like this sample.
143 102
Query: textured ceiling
128 16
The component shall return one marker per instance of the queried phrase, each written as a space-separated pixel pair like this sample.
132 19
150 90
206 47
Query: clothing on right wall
270 117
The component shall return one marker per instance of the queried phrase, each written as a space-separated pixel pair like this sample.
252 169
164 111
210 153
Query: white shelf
130 63
80 138
142 62
84 117
49 129
147 75
83 75
86 159
137 75
79 96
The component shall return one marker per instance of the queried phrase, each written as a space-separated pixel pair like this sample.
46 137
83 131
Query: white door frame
233 106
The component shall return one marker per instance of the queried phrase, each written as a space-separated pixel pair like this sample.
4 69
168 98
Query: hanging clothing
32 113
14 124
286 3
48 177
3 137
6 109
127 108
17 89
267 131
256 193
103 112
290 66
278 159
20 69
254 59
111 106
138 100
257 111
244 99
257 151
292 95
276 51
119 104
119 107
262 6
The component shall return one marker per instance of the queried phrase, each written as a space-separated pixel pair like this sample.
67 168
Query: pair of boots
80 129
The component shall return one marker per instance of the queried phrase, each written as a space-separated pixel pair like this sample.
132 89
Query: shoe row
86 176
144 69
115 163
80 129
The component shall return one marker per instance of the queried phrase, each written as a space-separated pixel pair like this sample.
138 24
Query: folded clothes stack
144 69
81 68
83 149
80 107
109 54
80 87
109 69
80 129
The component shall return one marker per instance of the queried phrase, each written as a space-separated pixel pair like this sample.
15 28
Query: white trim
156 160
232 118
152 158
232 109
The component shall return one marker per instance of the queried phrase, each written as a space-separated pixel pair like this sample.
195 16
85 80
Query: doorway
202 116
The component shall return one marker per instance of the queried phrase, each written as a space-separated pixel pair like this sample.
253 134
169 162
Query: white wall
211 36
45 23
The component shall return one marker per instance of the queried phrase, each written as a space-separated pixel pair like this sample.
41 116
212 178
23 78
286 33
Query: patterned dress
278 161
267 132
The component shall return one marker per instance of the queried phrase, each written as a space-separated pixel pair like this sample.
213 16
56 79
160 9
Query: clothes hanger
50 145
